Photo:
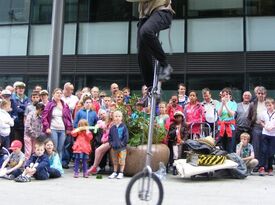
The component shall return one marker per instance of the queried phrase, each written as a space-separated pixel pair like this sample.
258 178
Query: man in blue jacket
21 101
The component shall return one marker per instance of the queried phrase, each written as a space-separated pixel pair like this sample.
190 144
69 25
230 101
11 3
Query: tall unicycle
145 187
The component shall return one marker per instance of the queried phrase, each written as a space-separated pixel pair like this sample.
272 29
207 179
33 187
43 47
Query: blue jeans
5 141
267 152
16 172
42 174
58 137
54 173
67 151
257 140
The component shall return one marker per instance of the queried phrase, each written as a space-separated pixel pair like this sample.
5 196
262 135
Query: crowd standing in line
44 135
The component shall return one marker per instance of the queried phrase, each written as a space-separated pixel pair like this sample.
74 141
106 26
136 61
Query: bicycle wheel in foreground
137 191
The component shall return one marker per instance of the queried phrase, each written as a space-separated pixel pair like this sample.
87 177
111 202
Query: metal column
56 50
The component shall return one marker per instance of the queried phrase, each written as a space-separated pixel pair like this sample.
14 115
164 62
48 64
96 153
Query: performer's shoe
165 72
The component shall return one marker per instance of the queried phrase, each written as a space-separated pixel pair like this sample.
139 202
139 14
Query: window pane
215 8
42 11
40 39
260 33
42 47
14 11
211 35
104 10
260 7
177 37
69 39
103 38
179 7
13 40
71 11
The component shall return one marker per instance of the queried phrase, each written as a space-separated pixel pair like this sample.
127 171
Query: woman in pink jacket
57 120
194 113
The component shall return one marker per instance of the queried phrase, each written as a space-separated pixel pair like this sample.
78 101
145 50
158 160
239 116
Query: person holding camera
173 106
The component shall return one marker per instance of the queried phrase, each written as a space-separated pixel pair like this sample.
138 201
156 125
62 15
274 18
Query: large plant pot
136 157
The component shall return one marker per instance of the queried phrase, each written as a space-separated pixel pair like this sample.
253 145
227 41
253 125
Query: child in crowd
163 116
106 103
118 139
12 166
176 135
35 98
194 114
246 152
101 152
6 122
99 137
173 106
37 166
82 147
127 97
56 169
33 128
139 111
226 110
268 138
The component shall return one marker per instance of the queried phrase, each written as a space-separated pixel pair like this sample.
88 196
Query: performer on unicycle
154 16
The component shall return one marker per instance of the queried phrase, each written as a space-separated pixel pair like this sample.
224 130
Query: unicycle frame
147 176
144 193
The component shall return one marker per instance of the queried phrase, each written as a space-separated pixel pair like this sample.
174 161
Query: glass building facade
215 43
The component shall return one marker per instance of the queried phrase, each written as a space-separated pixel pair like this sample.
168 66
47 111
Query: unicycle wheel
137 190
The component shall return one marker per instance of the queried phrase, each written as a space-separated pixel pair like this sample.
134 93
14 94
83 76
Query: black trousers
148 43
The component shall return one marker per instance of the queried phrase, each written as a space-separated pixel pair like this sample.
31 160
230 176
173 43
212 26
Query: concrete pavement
70 191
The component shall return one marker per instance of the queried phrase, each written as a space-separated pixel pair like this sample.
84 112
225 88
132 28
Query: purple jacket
47 116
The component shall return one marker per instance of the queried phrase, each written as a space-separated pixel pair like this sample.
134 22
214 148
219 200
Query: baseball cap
43 92
15 144
6 92
178 113
19 84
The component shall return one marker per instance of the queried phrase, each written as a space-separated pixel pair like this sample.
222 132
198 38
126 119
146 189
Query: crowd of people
39 136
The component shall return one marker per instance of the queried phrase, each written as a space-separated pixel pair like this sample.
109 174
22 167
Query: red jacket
82 143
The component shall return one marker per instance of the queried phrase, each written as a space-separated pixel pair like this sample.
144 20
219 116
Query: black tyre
135 185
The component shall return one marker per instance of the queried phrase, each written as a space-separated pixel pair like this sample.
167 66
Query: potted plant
138 127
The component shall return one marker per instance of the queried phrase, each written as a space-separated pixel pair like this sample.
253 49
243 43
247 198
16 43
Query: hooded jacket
118 137
47 116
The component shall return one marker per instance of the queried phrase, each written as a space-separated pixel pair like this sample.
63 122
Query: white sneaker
120 176
113 175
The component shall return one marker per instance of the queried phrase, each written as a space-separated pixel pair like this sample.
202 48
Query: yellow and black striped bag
209 160
204 159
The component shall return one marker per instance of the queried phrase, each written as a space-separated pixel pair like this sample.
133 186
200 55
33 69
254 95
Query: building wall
215 43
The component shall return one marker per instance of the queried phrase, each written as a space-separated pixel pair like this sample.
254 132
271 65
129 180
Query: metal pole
56 50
